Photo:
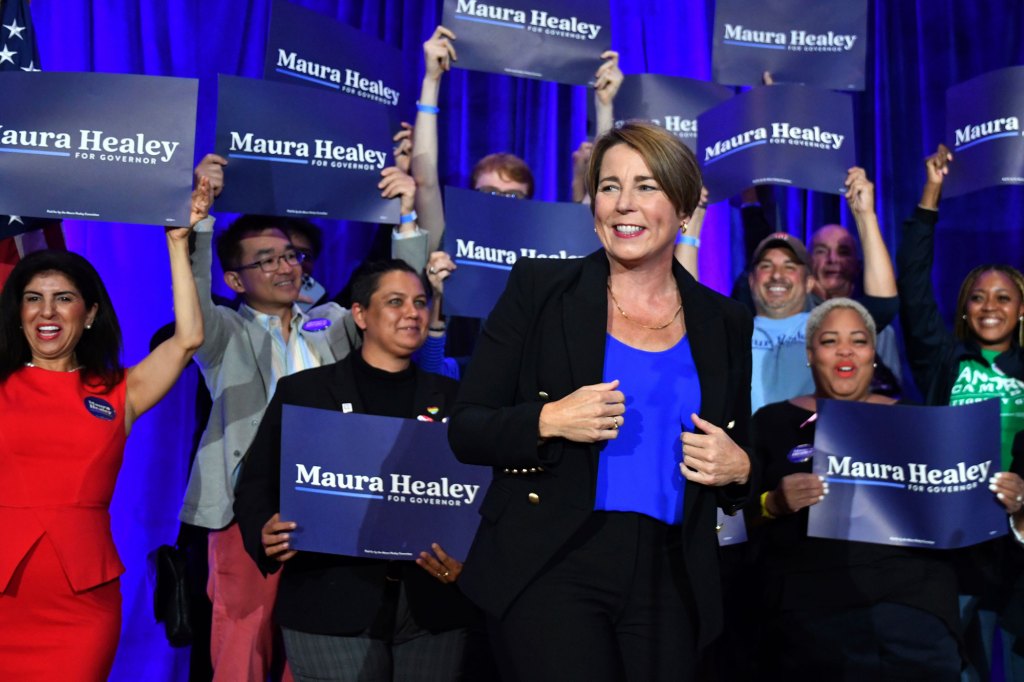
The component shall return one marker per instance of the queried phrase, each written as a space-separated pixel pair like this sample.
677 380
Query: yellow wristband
764 506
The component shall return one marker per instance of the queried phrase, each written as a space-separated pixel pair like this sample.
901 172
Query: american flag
18 51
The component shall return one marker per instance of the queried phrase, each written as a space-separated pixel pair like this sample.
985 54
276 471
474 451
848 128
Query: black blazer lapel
708 344
585 321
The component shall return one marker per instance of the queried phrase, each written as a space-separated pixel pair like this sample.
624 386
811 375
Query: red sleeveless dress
61 446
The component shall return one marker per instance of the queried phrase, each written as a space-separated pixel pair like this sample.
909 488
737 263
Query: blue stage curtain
916 50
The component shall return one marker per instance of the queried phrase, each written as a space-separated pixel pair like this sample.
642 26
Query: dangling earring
88 326
875 365
964 316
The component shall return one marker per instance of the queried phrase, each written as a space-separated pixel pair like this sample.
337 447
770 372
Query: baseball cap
783 240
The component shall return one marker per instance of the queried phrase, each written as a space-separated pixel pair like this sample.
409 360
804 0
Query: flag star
31 67
14 219
15 30
6 55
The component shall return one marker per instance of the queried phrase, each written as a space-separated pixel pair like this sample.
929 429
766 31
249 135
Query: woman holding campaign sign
596 556
980 359
344 617
66 407
834 609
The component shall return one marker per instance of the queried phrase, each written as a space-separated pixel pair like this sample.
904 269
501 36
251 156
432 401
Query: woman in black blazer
581 575
351 618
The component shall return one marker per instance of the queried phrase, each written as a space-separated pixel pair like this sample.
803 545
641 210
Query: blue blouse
639 470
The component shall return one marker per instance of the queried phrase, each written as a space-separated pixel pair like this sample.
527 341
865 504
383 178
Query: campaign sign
815 42
907 476
97 146
296 152
306 48
983 122
791 135
375 487
552 40
670 102
486 235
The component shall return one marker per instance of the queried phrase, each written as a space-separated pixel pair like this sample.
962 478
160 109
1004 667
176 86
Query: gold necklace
639 324
73 369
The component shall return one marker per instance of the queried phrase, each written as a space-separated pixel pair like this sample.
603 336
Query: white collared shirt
288 357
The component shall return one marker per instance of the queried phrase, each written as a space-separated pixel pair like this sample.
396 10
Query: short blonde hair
820 312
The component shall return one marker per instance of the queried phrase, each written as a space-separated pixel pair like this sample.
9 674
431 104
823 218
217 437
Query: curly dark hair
99 349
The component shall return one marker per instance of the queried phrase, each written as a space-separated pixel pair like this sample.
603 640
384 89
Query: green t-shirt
979 381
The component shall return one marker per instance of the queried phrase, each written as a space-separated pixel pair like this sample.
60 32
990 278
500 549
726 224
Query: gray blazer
235 359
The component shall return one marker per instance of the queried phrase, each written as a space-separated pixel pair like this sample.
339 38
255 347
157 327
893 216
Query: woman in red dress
66 407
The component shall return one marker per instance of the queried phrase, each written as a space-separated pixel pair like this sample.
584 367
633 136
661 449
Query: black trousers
613 605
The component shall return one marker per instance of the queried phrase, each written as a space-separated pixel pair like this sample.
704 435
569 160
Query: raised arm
151 379
438 54
688 242
879 278
407 241
924 331
607 82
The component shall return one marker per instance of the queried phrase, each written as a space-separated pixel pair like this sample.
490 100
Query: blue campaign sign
983 117
907 476
297 152
376 487
814 42
306 48
552 40
790 135
668 101
486 235
97 146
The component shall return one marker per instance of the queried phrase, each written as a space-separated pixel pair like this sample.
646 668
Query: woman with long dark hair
67 405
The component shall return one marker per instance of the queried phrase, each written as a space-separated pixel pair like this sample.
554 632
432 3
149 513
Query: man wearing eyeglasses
244 354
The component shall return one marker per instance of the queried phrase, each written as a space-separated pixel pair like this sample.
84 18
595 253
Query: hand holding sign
795 492
275 538
439 53
202 200
397 183
212 168
608 79
439 267
403 147
443 567
1009 490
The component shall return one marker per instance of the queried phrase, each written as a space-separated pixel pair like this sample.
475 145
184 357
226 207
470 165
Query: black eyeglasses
273 263
510 194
